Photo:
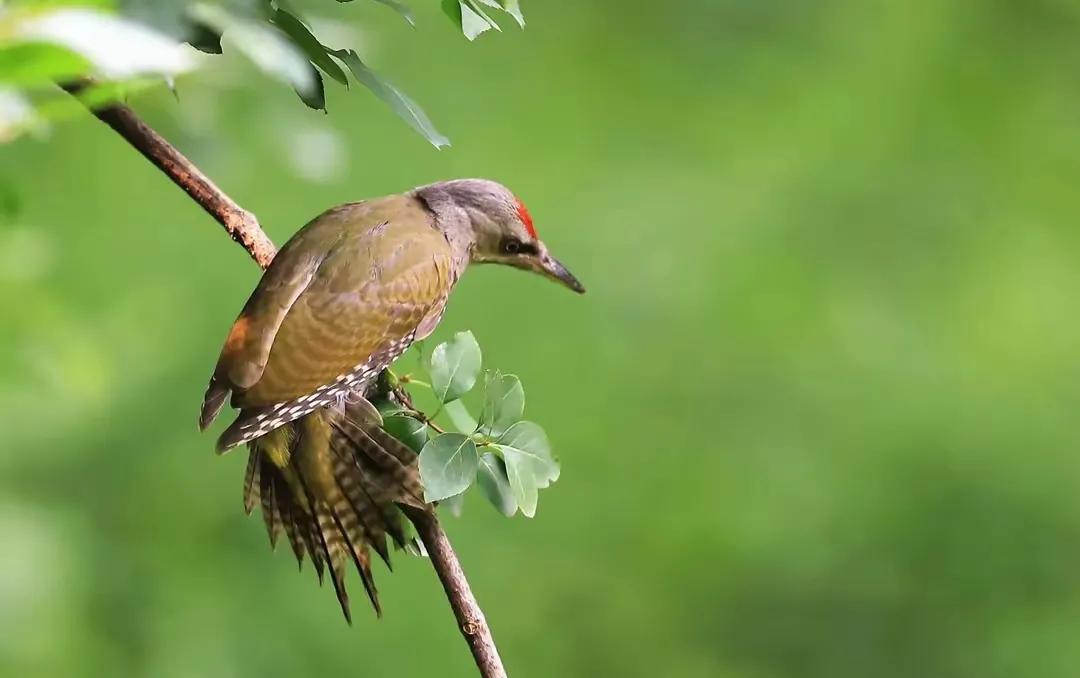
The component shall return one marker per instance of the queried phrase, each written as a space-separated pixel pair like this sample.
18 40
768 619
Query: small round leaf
495 485
448 465
408 430
504 403
455 365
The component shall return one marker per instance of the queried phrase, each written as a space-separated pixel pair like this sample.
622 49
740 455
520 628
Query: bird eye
511 246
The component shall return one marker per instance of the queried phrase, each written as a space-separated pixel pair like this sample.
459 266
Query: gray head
494 225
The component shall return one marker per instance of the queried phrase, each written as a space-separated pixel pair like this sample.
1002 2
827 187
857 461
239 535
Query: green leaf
522 482
303 38
469 16
513 8
401 9
460 417
495 485
529 464
452 9
455 364
405 107
504 403
411 543
203 38
266 47
472 24
116 47
455 504
474 20
387 407
315 98
39 63
448 465
408 430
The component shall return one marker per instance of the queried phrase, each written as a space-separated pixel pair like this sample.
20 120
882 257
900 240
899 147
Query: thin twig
240 224
244 228
469 616
401 394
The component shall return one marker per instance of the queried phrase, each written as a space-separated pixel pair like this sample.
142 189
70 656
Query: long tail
332 481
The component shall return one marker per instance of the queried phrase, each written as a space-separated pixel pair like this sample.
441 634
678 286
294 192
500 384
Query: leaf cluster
508 457
473 19
45 41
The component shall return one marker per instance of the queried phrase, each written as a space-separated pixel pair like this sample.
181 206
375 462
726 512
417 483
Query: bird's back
340 301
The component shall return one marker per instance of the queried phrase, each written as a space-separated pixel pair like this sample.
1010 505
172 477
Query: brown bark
470 617
240 224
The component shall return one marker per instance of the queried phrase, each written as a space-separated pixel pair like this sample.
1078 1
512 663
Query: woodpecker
343 298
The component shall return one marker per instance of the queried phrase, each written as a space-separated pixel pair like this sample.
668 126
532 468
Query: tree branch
241 225
244 228
470 617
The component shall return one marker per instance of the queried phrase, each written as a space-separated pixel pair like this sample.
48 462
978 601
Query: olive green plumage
350 290
343 298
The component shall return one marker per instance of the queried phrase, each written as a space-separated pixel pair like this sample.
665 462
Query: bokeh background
817 414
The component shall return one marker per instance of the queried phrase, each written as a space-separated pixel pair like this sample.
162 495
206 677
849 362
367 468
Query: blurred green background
816 415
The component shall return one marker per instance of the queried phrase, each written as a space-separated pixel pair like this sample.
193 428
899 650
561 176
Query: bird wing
247 346
340 301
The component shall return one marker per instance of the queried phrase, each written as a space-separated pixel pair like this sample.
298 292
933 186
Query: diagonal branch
240 224
244 228
470 617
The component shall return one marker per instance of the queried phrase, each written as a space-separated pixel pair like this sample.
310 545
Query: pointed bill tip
554 269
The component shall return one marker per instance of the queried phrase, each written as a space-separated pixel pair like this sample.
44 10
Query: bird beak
553 268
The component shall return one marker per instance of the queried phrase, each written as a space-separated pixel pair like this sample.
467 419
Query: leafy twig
401 394
244 228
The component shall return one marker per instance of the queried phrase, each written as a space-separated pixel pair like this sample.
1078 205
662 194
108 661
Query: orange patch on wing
238 335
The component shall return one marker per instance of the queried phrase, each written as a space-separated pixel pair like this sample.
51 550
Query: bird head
496 227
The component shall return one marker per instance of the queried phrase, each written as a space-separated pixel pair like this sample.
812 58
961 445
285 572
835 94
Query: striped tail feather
293 519
336 496
360 514
382 483
271 512
332 545
388 465
252 486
